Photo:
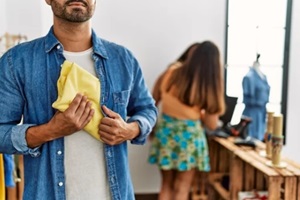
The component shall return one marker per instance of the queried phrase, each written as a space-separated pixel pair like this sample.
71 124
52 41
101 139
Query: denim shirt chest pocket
121 100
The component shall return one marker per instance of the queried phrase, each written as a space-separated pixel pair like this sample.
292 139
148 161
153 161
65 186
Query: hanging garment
256 92
9 170
2 183
74 79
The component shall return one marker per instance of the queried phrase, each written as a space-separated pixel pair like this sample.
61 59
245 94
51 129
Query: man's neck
74 37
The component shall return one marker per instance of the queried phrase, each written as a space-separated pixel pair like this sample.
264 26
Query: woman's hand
210 121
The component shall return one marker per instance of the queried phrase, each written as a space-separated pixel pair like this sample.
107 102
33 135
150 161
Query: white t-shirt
85 168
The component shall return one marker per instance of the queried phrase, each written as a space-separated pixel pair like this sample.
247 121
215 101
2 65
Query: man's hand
114 130
77 115
75 118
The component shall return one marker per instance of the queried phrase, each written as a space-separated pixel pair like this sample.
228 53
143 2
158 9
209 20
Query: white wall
24 17
157 32
2 17
46 18
2 24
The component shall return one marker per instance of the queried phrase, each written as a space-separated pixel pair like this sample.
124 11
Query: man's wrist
134 130
37 135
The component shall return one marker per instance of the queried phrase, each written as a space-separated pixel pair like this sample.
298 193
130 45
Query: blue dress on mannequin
256 92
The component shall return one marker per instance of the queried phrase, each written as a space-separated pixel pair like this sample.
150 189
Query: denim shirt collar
51 42
98 46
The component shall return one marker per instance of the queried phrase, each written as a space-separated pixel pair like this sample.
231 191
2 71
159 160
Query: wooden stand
246 170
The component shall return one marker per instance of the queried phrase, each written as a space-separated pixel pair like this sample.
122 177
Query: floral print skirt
179 144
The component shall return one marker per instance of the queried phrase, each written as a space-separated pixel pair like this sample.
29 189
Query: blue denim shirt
28 77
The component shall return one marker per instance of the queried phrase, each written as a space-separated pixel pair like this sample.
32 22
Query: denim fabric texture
256 91
28 87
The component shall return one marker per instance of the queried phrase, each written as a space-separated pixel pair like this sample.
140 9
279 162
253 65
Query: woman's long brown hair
199 82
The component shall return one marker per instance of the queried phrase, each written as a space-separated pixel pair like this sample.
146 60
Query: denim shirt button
109 154
58 47
60 184
59 152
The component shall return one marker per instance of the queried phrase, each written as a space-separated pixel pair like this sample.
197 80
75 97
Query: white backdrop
156 32
2 17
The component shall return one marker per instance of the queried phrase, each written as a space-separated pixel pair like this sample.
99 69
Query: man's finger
75 103
104 127
107 121
89 117
109 112
82 106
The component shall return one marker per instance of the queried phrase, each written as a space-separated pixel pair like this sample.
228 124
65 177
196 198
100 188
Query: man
61 160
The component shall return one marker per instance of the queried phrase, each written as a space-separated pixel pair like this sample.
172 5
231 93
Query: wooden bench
246 170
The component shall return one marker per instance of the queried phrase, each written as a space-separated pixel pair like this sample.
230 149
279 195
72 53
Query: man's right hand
74 118
78 114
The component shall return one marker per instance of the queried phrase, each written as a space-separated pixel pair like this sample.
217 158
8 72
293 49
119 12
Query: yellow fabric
74 79
2 183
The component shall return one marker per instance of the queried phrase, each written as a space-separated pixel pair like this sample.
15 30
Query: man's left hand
114 130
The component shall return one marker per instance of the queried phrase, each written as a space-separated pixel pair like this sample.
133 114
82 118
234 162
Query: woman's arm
210 121
156 93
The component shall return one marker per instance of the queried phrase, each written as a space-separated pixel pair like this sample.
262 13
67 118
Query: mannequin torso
256 67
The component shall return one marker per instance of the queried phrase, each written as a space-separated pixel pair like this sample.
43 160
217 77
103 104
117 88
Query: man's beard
76 14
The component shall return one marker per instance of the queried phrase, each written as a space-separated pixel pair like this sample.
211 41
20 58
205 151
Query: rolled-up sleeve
12 134
145 124
18 138
141 106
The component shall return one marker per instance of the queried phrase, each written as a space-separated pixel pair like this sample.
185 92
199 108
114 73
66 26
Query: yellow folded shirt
74 79
2 183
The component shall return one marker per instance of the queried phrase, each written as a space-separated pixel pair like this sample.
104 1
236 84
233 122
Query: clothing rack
11 40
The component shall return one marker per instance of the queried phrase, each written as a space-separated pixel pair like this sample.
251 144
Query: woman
156 92
191 95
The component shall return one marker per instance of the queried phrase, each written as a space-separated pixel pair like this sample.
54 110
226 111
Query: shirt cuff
145 128
18 137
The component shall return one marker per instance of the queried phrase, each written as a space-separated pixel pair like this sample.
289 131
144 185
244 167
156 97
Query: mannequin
256 92
256 67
